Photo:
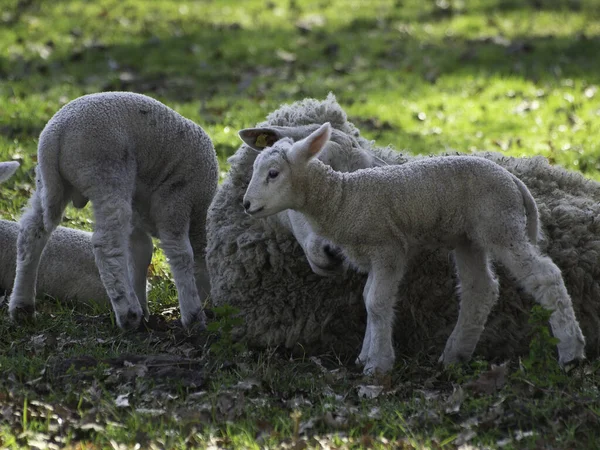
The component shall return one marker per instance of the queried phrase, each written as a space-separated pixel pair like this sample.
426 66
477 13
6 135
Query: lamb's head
279 172
7 169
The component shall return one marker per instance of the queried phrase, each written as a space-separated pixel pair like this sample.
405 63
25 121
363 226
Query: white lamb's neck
323 194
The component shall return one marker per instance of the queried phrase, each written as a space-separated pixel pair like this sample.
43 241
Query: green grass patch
517 76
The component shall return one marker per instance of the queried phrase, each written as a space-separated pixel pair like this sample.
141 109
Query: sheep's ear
311 146
259 138
7 169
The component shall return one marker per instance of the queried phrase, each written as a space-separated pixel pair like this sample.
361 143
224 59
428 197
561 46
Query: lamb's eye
272 174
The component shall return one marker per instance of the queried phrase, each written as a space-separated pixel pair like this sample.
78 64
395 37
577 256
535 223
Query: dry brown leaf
490 381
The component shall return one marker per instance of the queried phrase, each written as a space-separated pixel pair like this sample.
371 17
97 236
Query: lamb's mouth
251 213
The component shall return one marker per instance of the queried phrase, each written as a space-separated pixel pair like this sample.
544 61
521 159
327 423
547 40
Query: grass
516 76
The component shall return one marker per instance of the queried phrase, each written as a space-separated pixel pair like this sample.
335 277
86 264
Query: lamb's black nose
246 205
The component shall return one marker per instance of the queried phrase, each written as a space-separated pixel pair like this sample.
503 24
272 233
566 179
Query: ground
516 76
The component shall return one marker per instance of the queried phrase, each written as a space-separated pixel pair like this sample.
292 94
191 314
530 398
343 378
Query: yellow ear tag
261 141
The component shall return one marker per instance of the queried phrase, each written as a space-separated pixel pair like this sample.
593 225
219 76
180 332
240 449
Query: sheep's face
276 179
270 189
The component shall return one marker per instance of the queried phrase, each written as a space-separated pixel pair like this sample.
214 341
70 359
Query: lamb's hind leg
478 290
179 251
140 256
541 278
111 249
33 236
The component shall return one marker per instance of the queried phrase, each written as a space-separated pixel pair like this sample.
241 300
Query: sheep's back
112 125
67 270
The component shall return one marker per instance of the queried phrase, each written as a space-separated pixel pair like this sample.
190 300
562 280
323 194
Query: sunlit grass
519 77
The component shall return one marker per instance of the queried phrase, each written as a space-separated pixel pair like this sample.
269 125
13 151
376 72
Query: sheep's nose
247 205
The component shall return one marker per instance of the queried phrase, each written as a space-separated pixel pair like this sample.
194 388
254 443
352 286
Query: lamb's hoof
361 360
23 314
448 359
573 354
574 364
194 322
130 321
374 371
377 368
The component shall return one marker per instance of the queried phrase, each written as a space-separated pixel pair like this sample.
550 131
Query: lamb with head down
258 265
147 171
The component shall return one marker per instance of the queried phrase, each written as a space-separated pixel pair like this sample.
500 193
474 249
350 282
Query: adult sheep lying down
258 265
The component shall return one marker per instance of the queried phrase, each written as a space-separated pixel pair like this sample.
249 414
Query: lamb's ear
7 169
311 146
259 138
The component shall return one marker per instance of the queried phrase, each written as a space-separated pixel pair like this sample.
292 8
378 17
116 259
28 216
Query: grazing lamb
147 171
258 266
465 203
67 268
7 169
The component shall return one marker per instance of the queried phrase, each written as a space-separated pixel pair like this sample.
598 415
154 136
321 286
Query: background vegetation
517 76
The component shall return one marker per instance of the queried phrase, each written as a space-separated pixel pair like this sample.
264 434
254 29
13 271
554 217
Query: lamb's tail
531 209
51 188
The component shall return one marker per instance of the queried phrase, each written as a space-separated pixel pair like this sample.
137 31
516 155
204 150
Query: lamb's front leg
179 251
364 353
31 241
386 278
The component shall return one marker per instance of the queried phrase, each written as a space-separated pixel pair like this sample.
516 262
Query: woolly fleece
75 278
257 265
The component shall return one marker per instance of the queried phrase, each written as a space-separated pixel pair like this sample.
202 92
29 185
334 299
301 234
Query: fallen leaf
490 381
369 391
455 400
590 91
247 385
464 437
151 411
122 401
288 57
337 421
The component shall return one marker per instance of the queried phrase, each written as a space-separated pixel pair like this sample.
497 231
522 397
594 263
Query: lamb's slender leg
33 236
364 352
541 278
179 251
478 289
140 254
197 237
111 250
380 309
201 277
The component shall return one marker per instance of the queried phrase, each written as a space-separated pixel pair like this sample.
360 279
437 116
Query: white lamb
465 203
344 154
147 171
